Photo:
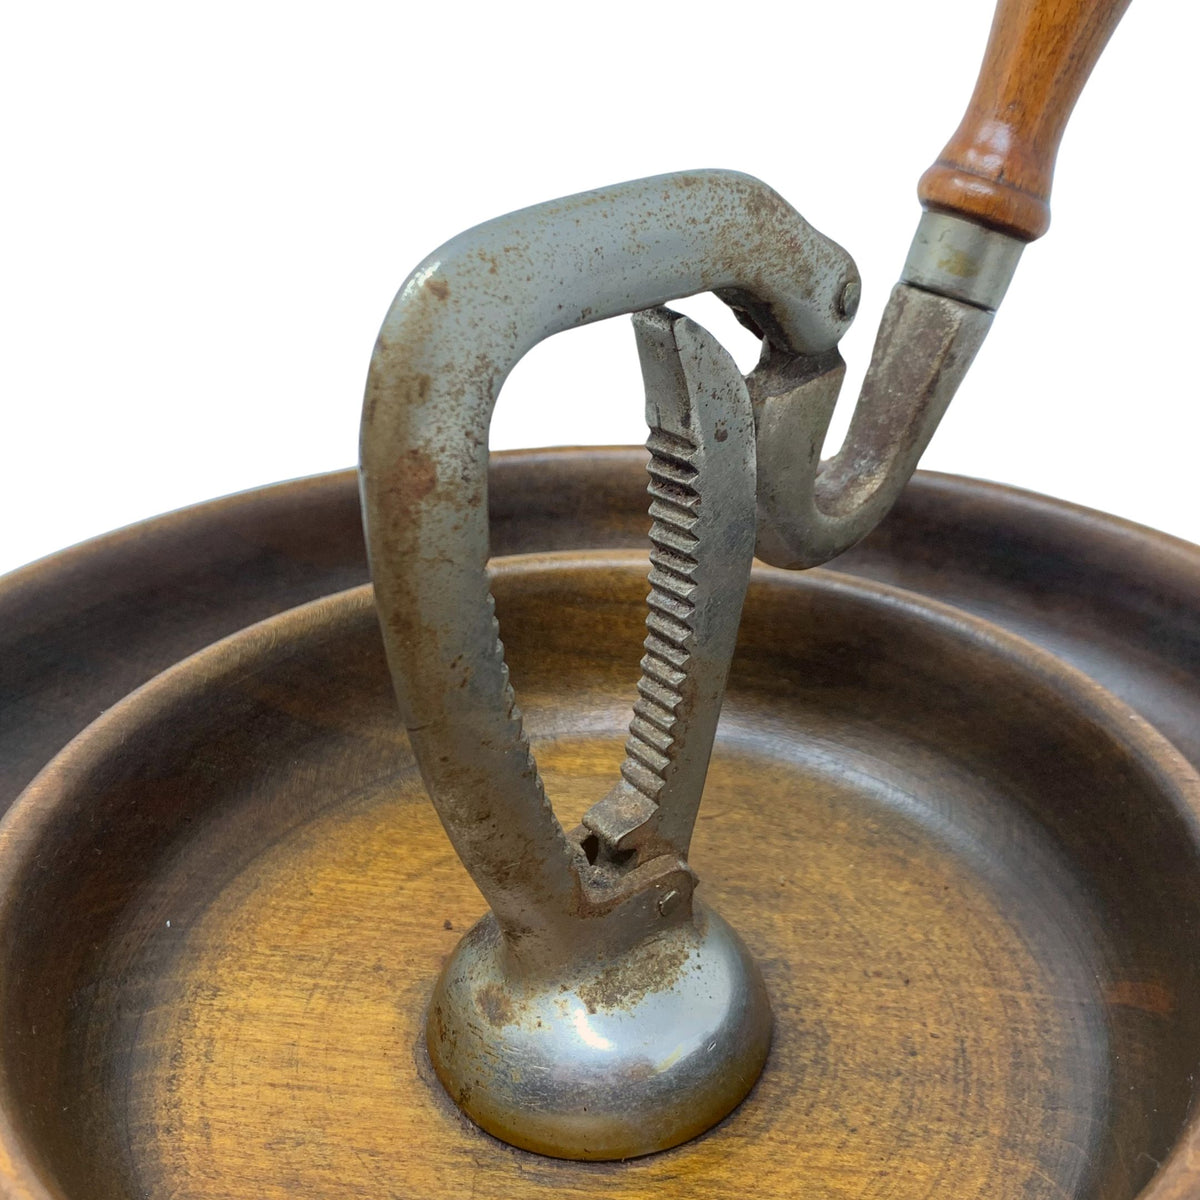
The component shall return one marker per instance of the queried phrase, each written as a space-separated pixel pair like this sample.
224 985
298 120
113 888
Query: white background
207 209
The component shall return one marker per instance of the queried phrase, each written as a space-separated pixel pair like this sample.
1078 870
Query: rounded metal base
618 1060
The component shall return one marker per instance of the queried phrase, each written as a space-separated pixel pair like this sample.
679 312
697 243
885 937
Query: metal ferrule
956 258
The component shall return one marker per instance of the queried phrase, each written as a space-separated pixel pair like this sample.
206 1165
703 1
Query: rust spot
410 390
956 262
764 208
439 287
420 475
494 1004
652 967
1147 995
437 1025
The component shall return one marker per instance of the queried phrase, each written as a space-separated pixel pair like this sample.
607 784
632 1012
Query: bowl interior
968 875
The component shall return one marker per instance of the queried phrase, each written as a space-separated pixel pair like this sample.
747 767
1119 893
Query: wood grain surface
80 630
968 876
998 167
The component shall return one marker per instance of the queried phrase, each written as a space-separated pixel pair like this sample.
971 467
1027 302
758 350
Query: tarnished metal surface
809 510
650 1021
962 260
458 326
735 465
601 1061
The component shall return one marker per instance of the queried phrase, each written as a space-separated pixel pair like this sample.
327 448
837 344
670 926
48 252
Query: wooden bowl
81 629
968 873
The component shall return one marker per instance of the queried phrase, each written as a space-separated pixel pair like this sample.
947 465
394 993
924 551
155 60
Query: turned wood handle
997 168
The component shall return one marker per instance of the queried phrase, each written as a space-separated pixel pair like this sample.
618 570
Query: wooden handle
997 168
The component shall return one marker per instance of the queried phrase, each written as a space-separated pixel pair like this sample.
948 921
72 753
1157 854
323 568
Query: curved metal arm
810 511
457 327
